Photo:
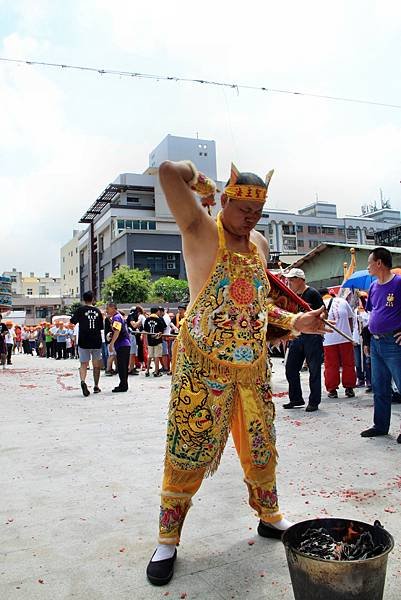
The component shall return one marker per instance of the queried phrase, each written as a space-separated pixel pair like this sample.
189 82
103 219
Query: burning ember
354 545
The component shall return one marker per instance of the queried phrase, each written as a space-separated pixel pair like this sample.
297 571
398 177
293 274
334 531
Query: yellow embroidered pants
180 485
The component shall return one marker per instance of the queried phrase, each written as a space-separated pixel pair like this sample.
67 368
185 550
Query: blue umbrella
359 280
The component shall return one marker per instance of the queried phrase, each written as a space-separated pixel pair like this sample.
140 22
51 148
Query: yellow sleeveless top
227 322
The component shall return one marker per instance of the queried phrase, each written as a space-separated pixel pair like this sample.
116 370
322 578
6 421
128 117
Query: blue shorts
85 354
165 347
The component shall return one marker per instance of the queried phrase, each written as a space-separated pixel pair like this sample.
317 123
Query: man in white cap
304 347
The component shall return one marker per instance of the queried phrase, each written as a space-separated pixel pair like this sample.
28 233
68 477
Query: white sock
282 525
163 551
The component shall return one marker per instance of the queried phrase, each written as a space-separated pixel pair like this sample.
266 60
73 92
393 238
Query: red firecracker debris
250 542
40 581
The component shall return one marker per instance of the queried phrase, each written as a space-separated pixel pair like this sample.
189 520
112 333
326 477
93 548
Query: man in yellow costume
221 375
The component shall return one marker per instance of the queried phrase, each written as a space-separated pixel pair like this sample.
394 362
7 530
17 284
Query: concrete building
389 237
300 232
130 222
69 267
37 286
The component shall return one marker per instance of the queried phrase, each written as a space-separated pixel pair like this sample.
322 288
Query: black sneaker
108 374
267 531
96 389
349 392
311 408
134 372
372 432
294 404
399 439
332 394
147 374
84 389
161 571
158 374
368 389
118 389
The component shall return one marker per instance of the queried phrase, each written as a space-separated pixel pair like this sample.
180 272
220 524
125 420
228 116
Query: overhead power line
234 86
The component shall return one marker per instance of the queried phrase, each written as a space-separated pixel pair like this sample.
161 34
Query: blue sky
65 134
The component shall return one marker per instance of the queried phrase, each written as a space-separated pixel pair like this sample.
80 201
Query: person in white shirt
338 352
166 345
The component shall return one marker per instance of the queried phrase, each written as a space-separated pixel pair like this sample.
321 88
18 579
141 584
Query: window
341 230
301 243
63 258
120 224
13 278
351 233
64 277
289 244
171 266
313 243
41 313
300 228
135 224
289 229
152 225
270 228
132 200
128 224
29 292
312 229
76 269
329 230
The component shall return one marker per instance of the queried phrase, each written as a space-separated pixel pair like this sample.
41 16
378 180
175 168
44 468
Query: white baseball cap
296 273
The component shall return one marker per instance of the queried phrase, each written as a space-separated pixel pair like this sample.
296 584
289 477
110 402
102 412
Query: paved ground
80 483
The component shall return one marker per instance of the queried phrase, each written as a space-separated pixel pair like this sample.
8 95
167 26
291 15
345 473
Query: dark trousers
309 348
122 366
61 350
49 349
9 353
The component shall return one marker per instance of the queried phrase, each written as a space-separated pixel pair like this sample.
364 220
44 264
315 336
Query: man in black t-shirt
304 347
154 327
90 324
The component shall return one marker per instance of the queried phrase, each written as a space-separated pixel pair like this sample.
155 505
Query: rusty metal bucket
318 579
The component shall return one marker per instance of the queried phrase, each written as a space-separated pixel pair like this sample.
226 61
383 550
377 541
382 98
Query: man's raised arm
176 179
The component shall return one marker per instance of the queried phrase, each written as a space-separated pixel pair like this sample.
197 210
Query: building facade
69 268
298 233
389 237
36 286
130 222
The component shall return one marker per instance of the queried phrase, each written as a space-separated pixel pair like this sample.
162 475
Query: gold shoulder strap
220 231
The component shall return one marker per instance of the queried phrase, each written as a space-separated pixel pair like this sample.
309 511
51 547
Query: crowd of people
150 332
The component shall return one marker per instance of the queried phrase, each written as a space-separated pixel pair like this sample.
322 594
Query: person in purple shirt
121 344
384 306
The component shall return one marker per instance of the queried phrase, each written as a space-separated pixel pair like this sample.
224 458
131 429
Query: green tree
170 289
127 286
72 308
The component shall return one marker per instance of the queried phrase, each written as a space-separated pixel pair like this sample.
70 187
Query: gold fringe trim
245 374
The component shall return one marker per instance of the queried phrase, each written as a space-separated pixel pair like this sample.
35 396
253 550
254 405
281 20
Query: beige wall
69 268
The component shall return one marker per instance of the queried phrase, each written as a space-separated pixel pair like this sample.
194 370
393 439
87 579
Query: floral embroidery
259 448
267 498
242 291
170 518
243 354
